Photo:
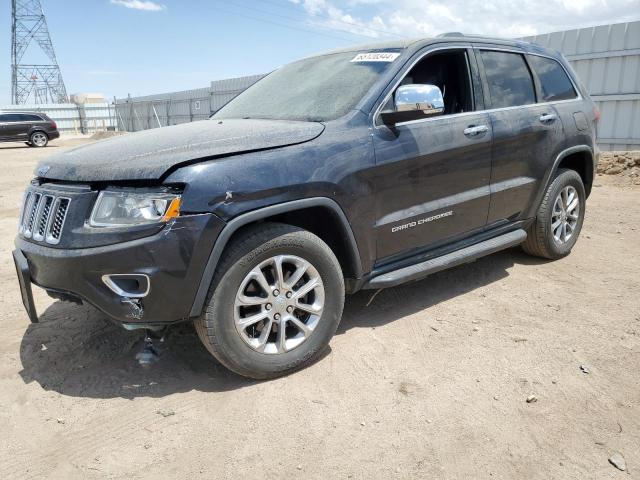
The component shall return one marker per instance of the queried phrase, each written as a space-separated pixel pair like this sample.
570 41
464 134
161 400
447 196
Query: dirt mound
103 135
614 163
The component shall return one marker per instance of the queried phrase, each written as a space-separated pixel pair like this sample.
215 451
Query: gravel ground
430 380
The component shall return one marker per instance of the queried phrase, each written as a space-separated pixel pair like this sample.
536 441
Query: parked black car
358 169
33 128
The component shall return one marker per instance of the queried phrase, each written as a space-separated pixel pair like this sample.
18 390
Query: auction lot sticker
376 57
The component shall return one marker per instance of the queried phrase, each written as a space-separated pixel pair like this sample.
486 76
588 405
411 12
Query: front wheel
38 139
559 219
274 303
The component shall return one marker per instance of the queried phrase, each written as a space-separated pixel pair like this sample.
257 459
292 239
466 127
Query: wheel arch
40 130
297 213
579 158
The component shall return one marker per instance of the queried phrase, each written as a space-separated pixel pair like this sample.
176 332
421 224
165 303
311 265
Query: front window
314 89
447 70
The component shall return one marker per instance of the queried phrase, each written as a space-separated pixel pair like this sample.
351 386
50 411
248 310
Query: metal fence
152 111
71 118
607 60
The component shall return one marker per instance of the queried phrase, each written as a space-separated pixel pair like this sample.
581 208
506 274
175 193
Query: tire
38 139
542 238
28 144
250 351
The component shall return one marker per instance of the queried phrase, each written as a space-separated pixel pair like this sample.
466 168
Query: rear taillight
596 114
53 125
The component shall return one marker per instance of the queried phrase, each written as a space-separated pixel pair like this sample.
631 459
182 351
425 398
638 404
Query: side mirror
414 102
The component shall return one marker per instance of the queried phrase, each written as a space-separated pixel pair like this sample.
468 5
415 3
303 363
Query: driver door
433 175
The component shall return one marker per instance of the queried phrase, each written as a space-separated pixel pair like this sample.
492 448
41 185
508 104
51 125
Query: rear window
509 79
31 118
554 81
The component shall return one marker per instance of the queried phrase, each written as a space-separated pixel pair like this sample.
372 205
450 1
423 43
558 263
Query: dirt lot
429 381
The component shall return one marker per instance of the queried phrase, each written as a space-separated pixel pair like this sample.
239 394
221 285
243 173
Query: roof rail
451 34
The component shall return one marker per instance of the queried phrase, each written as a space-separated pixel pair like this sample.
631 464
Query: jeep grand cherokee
357 169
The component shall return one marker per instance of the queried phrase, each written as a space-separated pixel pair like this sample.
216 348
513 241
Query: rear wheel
559 219
39 139
275 302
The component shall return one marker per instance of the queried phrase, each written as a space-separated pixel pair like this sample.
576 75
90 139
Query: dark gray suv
357 169
33 128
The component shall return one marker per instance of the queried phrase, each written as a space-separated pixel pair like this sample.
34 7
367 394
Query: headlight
125 209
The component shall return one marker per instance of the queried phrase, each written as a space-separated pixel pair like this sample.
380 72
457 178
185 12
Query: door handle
475 130
548 117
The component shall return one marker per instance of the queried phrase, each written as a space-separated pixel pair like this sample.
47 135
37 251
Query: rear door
526 133
557 89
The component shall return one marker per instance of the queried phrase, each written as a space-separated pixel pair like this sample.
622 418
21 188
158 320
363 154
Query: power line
327 17
296 19
258 19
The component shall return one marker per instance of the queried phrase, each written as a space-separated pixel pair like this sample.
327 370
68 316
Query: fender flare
546 181
244 219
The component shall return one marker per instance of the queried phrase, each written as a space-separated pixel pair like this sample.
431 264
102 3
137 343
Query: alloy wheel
279 304
39 139
565 214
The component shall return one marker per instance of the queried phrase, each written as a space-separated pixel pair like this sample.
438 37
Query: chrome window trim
489 110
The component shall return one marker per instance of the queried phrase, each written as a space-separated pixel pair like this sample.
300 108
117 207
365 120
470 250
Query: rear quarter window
508 78
554 81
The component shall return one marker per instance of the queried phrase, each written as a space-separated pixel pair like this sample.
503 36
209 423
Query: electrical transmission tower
40 82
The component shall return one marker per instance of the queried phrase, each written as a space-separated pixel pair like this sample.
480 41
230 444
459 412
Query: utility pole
38 82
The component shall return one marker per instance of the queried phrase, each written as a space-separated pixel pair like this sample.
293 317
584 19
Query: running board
464 255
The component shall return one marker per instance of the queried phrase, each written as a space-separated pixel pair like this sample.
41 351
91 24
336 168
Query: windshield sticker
376 57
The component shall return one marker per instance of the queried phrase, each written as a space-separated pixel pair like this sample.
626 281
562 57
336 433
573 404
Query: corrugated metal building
607 60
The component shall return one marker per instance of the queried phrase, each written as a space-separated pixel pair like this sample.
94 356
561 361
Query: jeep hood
150 154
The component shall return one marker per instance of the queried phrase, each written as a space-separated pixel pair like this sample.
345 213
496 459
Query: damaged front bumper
173 260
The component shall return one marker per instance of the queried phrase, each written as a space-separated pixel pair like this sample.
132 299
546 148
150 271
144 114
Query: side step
464 255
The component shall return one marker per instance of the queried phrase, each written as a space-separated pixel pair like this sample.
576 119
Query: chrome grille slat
23 211
31 218
57 220
43 216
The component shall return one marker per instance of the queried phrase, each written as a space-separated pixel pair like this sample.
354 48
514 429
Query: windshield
314 89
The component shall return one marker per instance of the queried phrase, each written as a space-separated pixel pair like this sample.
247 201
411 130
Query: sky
141 47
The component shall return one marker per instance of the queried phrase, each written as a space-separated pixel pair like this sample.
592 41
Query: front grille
43 216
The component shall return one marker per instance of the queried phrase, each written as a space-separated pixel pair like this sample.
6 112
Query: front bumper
173 259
